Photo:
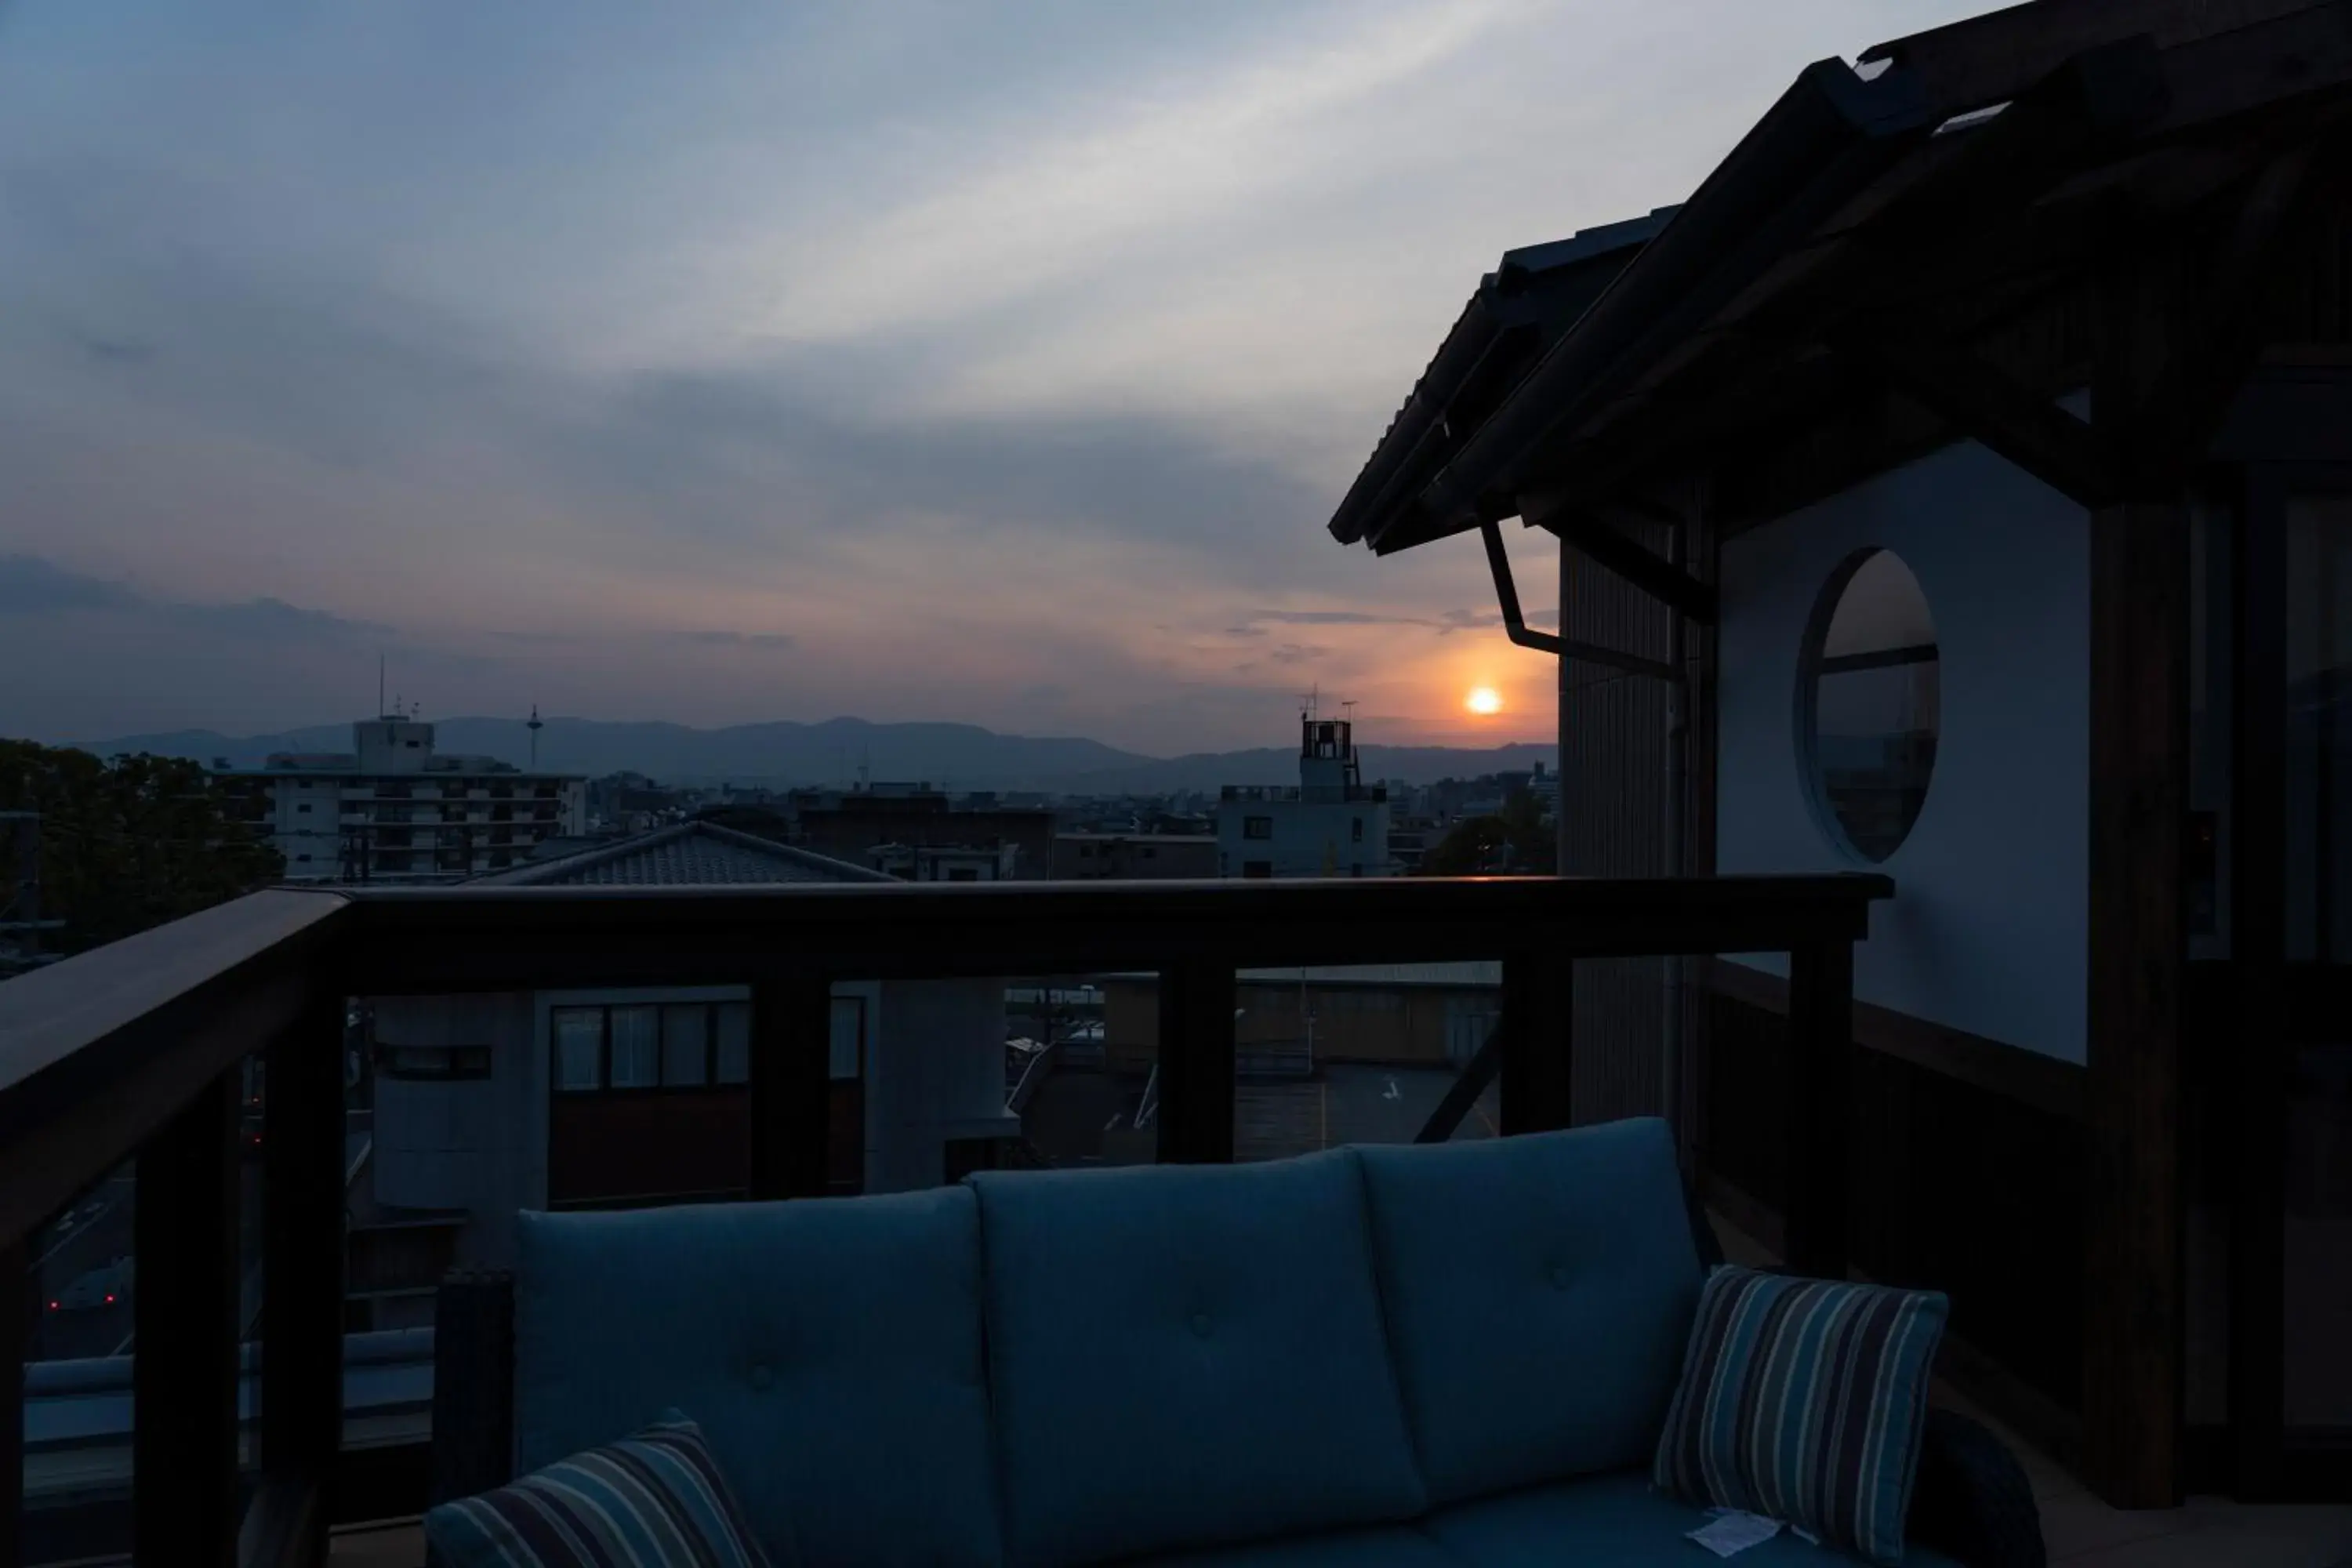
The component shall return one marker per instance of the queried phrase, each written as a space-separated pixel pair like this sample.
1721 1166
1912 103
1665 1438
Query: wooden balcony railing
134 1050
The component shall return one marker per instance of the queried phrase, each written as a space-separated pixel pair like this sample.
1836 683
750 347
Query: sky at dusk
726 362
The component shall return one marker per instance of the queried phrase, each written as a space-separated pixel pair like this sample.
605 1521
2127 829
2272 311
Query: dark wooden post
16 1340
1196 1063
792 1056
184 1372
2258 856
2138 806
302 1276
1538 995
1820 1107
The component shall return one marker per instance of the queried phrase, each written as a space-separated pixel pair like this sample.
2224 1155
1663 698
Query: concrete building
1331 825
849 825
392 809
617 1097
1133 857
992 862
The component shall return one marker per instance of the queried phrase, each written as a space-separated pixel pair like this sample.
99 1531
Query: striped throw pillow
653 1500
1803 1400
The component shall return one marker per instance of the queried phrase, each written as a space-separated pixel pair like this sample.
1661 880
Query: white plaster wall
1311 839
1986 932
454 1144
934 1070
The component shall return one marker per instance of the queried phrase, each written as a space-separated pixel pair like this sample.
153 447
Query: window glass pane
734 1023
578 1049
849 1037
685 1043
637 1046
1869 696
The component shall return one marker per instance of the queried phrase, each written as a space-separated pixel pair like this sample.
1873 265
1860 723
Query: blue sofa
1421 1356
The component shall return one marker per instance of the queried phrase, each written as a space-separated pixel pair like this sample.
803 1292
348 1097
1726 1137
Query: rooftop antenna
535 725
1348 710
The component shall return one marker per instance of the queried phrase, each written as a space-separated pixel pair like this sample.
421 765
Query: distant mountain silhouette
957 756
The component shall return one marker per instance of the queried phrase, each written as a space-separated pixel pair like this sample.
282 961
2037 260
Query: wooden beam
1463 1093
184 1316
2174 425
2029 430
1612 551
1196 1063
1539 996
1820 1107
792 1062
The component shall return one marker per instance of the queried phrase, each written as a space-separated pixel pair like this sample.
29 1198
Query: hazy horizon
996 364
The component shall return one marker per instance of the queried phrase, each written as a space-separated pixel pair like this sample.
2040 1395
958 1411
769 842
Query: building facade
1133 857
392 809
1331 824
621 1097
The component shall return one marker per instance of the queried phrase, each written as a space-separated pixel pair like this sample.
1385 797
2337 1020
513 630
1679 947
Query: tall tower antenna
534 726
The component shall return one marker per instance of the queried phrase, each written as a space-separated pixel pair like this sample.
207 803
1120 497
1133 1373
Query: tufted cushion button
1201 1324
1560 1276
763 1379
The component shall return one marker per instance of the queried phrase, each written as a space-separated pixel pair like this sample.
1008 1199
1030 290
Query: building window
633 1046
963 874
1149 853
1257 868
579 1049
848 1037
1257 828
1356 830
1869 700
304 808
731 1062
302 857
1357 869
685 1045
645 1047
430 1062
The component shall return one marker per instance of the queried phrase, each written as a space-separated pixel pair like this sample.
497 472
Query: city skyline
917 363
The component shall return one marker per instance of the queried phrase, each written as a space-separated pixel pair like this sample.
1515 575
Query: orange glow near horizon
1484 700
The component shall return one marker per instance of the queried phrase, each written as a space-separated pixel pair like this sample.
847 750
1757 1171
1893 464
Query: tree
1518 839
129 843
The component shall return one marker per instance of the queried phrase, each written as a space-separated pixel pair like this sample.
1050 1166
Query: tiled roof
687 855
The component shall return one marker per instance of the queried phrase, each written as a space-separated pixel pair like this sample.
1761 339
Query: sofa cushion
829 1349
1538 1292
1386 1546
1803 1400
1187 1355
1617 1520
655 1499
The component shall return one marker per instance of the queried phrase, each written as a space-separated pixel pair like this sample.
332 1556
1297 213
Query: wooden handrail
115 1052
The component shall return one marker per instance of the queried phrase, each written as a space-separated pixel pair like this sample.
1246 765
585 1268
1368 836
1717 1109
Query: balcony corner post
1820 1107
1196 1062
1538 1047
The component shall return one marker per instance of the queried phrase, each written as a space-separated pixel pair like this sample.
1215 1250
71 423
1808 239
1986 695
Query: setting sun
1484 700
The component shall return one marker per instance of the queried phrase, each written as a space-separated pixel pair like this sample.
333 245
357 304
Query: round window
1868 692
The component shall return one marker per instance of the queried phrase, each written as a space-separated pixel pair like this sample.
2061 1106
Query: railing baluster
1196 1063
1538 1049
184 1370
16 1340
791 1057
302 1277
1820 1111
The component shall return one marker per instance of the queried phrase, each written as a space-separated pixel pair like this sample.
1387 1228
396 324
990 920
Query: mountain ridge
834 750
